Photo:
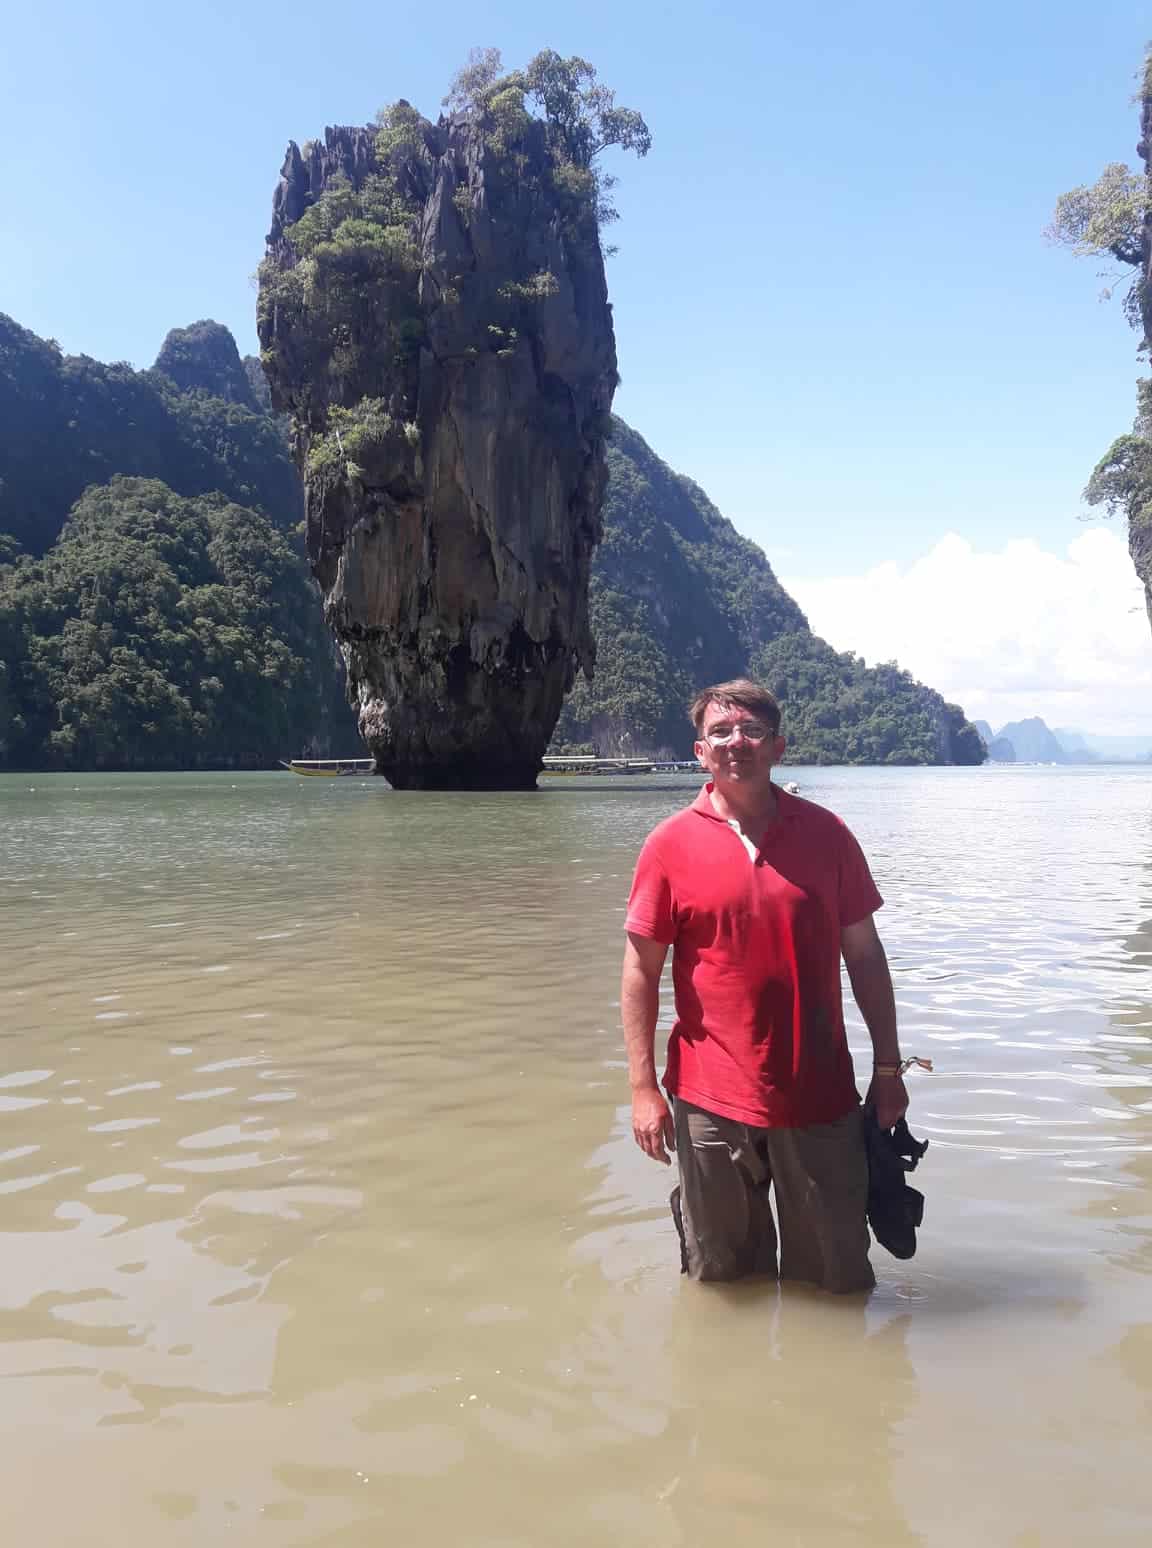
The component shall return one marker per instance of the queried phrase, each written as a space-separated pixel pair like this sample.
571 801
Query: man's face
738 747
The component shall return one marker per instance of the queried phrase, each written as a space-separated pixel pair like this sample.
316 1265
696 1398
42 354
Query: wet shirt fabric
759 1034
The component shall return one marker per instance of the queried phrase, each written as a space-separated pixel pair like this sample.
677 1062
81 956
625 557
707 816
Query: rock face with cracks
434 318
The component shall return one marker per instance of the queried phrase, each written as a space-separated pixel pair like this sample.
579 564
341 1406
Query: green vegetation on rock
836 709
679 599
354 276
355 436
1105 217
1114 217
580 113
434 319
161 632
1121 481
203 358
154 610
70 421
169 626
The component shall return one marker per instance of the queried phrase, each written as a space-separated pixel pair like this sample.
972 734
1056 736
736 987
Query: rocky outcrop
203 358
434 318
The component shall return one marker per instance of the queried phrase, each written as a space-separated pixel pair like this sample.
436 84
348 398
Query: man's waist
770 1108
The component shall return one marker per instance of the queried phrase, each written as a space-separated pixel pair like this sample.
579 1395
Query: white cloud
1006 634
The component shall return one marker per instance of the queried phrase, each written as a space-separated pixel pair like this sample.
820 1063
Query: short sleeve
859 896
651 910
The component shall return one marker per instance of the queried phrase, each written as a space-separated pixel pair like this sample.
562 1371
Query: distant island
1032 741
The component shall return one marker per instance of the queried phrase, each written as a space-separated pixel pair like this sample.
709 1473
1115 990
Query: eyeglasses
751 730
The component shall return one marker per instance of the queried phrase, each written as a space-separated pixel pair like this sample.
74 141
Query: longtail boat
329 768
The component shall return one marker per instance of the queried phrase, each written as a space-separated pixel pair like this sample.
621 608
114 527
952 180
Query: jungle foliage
70 421
1121 482
158 632
679 599
1113 217
366 232
581 117
169 621
837 709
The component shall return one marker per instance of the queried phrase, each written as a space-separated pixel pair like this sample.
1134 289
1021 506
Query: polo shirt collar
787 806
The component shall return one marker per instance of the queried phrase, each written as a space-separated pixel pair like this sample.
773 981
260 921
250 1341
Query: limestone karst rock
434 318
203 357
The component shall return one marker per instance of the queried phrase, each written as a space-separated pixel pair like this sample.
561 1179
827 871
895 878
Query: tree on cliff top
582 115
364 231
570 98
1105 218
1111 217
1114 217
1121 481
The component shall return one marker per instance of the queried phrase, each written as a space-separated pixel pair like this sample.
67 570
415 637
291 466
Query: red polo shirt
759 1034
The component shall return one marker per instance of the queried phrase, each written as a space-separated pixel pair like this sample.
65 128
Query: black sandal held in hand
894 1209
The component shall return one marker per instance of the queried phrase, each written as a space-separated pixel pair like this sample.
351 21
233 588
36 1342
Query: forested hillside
838 710
162 632
680 599
70 421
156 611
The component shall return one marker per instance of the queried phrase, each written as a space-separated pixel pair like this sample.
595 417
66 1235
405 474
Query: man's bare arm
639 1011
867 964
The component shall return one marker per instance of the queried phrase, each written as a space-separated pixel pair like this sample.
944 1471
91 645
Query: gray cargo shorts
818 1177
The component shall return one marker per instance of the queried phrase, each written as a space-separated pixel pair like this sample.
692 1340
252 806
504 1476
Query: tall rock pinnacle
434 318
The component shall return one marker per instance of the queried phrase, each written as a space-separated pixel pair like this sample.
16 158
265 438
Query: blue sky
835 307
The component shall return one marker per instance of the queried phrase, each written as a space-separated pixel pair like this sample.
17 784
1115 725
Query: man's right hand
652 1126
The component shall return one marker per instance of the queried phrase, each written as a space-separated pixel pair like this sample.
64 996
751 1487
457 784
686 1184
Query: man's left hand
888 1099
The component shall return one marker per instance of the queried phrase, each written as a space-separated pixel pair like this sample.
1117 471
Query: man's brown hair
740 693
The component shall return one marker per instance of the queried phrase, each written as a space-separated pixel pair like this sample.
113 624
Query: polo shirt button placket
749 848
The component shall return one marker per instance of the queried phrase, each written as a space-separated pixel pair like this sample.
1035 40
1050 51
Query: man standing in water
759 894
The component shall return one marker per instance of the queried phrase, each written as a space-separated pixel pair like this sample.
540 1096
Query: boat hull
329 768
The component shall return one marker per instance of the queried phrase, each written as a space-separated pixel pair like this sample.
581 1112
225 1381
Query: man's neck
754 808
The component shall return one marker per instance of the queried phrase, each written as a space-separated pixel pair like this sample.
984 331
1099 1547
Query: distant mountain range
1032 741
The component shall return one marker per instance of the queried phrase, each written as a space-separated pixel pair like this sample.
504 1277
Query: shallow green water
321 1222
